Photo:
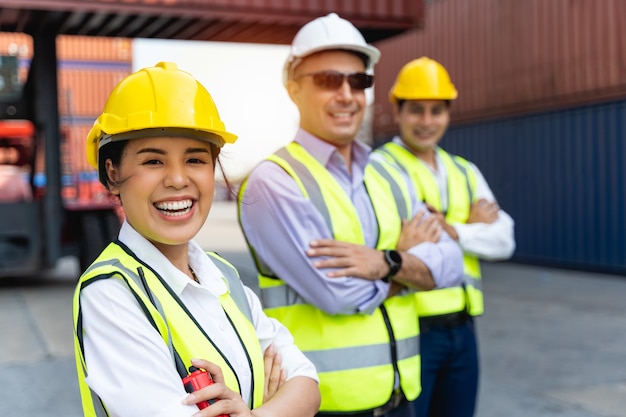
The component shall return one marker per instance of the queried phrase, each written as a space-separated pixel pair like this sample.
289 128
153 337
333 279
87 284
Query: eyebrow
162 152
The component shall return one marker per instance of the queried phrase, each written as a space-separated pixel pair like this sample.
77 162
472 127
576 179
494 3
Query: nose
176 176
427 117
345 92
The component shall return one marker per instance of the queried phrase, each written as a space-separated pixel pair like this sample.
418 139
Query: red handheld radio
197 379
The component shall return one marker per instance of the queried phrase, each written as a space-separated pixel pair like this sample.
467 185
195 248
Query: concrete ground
552 342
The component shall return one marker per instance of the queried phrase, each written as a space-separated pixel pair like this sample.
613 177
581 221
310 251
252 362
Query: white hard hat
327 33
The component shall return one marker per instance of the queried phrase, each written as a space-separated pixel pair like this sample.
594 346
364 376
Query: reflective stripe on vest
462 186
177 327
352 353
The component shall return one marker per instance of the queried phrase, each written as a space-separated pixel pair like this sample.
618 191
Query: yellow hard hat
423 79
162 98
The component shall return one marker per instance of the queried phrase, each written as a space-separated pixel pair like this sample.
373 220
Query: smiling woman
154 299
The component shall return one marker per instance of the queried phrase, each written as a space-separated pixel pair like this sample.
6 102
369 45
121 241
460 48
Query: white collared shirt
128 364
487 241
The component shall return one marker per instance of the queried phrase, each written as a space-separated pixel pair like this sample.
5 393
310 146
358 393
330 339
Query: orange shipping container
82 92
84 48
509 57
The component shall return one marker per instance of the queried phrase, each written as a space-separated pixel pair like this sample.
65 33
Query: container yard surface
552 342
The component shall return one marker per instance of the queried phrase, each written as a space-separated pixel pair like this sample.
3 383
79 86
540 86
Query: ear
113 176
396 112
293 89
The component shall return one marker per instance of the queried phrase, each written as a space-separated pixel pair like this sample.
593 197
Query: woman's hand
275 376
228 401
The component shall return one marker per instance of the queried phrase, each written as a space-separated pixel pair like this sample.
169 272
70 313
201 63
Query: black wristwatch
394 260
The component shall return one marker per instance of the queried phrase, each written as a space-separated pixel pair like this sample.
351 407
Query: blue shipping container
561 175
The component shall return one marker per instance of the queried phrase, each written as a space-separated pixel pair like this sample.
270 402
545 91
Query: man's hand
350 260
441 219
483 211
419 229
275 376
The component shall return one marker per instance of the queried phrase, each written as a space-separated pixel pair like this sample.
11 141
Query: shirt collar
208 273
398 141
323 151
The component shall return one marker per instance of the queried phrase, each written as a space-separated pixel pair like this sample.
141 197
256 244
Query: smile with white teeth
424 133
174 208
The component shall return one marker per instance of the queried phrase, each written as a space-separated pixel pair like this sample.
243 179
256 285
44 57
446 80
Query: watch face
395 256
394 259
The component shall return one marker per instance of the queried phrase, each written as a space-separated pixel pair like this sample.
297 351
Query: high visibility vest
168 315
357 356
461 194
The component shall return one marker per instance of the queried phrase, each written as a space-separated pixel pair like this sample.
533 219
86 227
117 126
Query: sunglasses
332 80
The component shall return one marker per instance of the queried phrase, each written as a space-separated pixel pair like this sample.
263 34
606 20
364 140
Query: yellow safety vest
357 356
168 315
461 194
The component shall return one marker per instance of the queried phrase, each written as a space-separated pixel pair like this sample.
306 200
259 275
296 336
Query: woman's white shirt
128 364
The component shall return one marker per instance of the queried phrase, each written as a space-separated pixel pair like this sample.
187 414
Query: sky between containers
246 85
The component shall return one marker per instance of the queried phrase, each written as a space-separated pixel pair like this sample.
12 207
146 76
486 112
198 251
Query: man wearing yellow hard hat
457 193
323 227
155 315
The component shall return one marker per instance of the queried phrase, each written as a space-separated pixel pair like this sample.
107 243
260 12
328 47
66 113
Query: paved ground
553 342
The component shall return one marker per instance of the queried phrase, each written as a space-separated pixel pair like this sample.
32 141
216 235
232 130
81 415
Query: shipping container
510 57
257 21
83 89
88 70
541 110
103 50
561 175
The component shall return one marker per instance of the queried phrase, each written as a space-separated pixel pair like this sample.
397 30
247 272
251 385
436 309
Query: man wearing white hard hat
325 231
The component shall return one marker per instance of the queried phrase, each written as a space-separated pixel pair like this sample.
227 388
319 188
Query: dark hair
114 152
364 58
400 102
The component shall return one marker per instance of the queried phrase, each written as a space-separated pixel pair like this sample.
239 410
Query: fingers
275 376
214 390
431 208
430 224
484 211
327 243
416 220
329 247
211 368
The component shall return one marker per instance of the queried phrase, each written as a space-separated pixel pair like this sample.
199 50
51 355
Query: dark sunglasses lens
360 80
333 80
329 80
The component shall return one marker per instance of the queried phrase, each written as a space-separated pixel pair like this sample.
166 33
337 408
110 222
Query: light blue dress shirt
279 223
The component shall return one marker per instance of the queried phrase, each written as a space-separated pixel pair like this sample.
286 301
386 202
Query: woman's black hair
114 152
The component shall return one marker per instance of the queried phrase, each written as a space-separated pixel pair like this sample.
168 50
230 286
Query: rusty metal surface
510 57
256 21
